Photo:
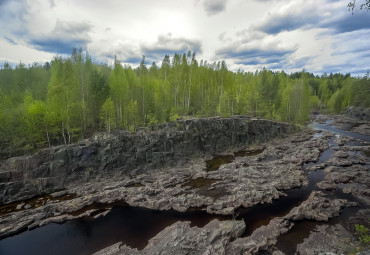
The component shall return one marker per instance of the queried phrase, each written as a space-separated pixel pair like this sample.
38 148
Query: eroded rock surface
125 153
242 182
357 113
181 239
335 239
318 207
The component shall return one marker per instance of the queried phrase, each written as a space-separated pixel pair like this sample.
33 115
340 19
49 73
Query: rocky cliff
358 113
129 153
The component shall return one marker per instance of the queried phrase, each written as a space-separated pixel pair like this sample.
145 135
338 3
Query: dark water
288 242
135 226
215 163
261 214
330 128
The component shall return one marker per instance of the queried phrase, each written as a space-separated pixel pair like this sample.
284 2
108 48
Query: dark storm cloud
133 60
64 37
258 61
10 40
58 45
256 56
301 63
312 17
280 23
347 23
167 44
245 55
213 7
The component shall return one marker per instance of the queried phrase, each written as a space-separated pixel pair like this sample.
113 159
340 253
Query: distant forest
71 98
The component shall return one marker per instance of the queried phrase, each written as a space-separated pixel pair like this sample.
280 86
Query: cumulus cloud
285 34
360 43
20 29
352 59
74 28
65 36
265 50
347 23
126 51
213 7
289 16
170 44
308 14
12 14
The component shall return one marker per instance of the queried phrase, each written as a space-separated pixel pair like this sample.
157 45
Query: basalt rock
262 239
327 239
181 239
129 153
318 207
246 181
357 112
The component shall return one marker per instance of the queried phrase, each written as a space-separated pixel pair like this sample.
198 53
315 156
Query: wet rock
278 253
117 249
262 239
244 182
329 169
341 154
19 206
355 174
317 167
318 207
180 238
327 239
341 140
326 185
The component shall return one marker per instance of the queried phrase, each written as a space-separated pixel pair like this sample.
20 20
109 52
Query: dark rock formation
318 207
327 239
246 181
262 238
181 239
166 169
126 153
358 113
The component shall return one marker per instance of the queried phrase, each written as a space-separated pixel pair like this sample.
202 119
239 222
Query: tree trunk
47 135
64 136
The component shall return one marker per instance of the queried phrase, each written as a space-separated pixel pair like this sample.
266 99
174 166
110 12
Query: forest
71 98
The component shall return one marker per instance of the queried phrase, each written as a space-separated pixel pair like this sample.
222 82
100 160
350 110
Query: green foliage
363 234
151 120
71 98
133 119
107 115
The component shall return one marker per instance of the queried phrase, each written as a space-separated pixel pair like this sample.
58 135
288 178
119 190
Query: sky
291 35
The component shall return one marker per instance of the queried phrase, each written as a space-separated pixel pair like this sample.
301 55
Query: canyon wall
129 153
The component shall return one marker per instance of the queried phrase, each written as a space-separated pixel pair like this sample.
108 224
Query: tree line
71 98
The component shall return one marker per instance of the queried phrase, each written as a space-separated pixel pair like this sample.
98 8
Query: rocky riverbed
322 173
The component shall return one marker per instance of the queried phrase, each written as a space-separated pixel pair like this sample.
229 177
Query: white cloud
286 33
